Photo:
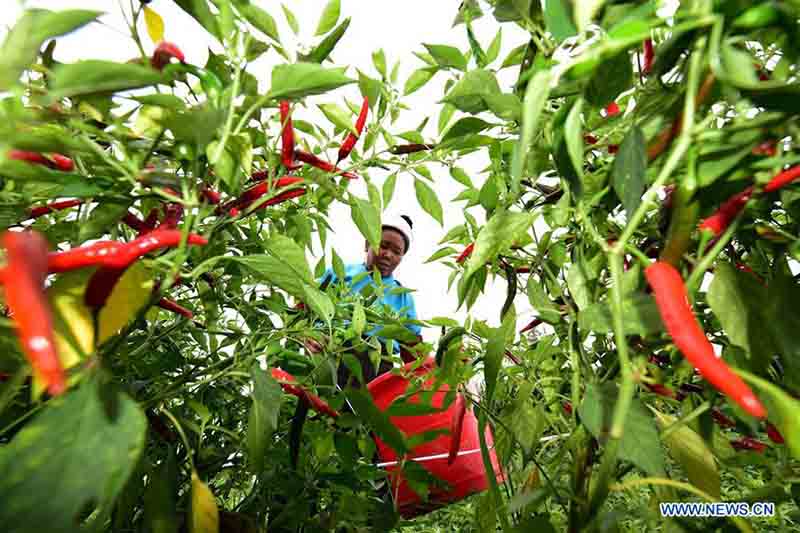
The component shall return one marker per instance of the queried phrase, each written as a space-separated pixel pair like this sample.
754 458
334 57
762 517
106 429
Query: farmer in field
395 242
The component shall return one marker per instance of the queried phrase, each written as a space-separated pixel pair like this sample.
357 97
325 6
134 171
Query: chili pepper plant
639 201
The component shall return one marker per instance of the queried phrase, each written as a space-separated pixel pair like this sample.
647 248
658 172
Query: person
396 239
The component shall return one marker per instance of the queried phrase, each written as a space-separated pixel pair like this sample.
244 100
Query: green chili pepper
683 218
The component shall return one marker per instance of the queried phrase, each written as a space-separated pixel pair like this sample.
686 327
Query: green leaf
782 409
93 76
160 500
91 425
23 41
263 417
101 218
359 319
460 176
494 47
535 97
738 66
321 52
305 79
577 283
291 19
782 318
737 300
515 57
629 170
541 302
279 271
262 20
388 188
417 79
366 410
319 303
493 360
329 17
200 11
610 78
690 450
558 19
447 56
338 116
379 60
464 127
499 233
640 443
574 138
428 200
506 106
467 95
400 333
639 312
585 11
367 220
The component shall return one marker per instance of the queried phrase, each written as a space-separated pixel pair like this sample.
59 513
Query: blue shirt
402 304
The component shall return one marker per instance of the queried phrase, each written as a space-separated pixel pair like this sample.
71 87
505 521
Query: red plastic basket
465 476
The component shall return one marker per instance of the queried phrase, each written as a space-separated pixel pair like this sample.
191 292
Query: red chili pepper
152 220
233 212
567 407
287 382
163 53
649 56
169 305
314 161
766 148
673 305
721 419
589 139
523 270
37 212
612 110
113 254
100 286
466 253
773 434
56 161
287 135
661 390
456 428
411 148
134 222
613 148
173 213
748 444
251 195
351 139
26 270
718 222
533 323
212 197
782 179
745 268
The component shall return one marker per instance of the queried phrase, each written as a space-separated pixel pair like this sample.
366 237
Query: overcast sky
397 27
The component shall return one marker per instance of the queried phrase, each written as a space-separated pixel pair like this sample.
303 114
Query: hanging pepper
289 384
466 253
134 222
567 407
52 207
649 56
748 444
287 135
589 139
533 323
211 196
718 222
661 390
766 148
56 161
672 300
113 254
25 273
456 428
169 305
173 213
410 148
163 53
351 139
773 434
721 419
251 195
782 179
314 161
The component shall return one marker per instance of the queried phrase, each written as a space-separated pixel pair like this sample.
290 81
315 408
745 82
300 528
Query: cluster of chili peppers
27 264
719 221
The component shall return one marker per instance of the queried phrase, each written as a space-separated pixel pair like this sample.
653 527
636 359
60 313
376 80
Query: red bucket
465 476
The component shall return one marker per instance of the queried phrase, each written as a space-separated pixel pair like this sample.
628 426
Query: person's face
390 254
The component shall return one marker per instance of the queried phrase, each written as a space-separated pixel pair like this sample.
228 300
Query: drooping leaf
417 79
93 76
447 56
305 79
428 200
263 418
90 425
329 17
366 409
629 170
500 232
639 311
204 516
468 94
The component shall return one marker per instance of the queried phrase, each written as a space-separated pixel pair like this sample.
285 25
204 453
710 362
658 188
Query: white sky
397 27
